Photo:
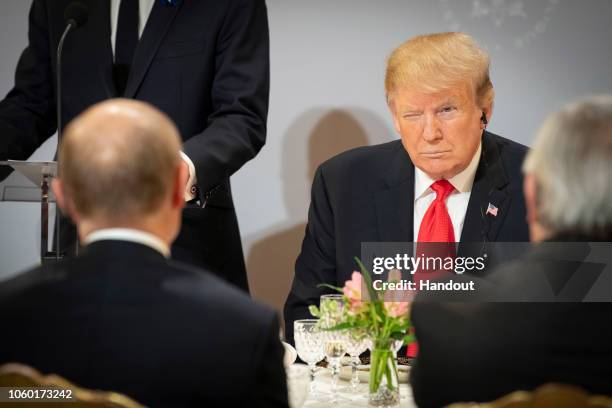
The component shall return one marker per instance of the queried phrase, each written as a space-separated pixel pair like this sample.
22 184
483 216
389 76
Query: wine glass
331 307
309 345
356 343
335 349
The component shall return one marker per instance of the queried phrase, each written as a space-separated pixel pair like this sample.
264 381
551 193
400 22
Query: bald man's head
118 160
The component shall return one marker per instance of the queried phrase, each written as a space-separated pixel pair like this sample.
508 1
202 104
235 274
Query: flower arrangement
384 319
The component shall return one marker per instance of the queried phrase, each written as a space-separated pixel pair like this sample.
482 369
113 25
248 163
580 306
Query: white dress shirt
144 10
129 235
456 202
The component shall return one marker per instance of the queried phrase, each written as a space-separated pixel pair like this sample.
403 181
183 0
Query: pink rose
352 290
397 309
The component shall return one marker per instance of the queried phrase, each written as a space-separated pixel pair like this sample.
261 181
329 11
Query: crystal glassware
309 345
335 349
331 307
356 343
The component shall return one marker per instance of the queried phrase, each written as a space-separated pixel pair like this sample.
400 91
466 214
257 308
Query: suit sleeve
27 113
271 383
316 262
236 130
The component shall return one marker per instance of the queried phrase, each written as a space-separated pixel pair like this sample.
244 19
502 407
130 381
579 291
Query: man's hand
186 170
191 181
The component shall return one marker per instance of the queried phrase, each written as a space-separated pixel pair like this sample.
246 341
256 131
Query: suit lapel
395 203
489 187
157 26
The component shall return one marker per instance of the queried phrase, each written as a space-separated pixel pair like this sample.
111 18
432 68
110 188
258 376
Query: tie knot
442 188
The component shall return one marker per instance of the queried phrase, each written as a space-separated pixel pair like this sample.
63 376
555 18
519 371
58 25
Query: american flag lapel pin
491 209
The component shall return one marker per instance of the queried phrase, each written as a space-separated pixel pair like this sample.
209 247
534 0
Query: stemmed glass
356 343
331 307
309 345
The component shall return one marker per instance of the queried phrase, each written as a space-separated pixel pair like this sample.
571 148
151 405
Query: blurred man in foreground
479 352
121 316
434 185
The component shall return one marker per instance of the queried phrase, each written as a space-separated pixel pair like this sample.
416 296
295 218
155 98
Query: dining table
346 396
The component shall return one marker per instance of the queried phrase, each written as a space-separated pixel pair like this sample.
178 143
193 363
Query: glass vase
384 381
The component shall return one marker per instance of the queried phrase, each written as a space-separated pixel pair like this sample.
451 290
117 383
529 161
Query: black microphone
75 15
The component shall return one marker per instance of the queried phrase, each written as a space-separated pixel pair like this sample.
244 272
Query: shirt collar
462 181
130 235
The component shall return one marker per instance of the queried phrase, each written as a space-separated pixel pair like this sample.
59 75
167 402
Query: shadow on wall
314 137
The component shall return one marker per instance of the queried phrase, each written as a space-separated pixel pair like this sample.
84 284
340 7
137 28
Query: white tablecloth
347 399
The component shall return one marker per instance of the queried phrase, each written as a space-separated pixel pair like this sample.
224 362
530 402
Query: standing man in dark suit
204 63
121 316
557 328
433 185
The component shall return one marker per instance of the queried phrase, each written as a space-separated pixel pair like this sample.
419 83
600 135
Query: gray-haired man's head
568 183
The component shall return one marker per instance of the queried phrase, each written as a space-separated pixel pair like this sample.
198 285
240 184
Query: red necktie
436 226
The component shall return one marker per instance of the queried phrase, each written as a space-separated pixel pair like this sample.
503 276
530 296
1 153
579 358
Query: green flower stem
382 364
378 368
388 372
373 371
394 365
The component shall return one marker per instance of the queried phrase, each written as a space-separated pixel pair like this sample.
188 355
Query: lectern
40 173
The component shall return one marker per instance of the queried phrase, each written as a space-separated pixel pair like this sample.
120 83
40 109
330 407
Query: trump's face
440 131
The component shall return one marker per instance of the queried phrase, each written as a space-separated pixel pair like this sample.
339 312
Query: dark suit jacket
482 351
367 195
203 62
121 317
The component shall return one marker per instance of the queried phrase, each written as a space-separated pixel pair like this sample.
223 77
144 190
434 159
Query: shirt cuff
190 188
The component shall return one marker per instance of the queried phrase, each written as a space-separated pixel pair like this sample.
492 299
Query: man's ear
488 112
63 200
58 189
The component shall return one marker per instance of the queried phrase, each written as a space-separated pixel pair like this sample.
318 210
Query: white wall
328 59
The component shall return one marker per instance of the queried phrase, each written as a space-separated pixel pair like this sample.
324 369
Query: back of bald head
118 159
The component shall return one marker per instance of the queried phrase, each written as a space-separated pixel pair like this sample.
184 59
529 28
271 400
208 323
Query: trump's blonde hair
435 62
